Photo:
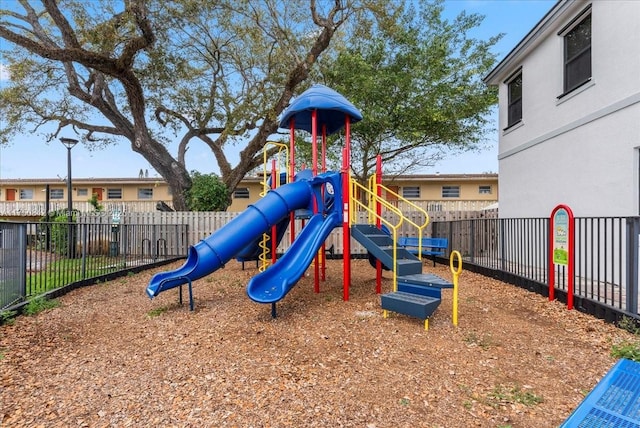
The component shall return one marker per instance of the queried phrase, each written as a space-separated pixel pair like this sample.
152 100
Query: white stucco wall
580 150
592 168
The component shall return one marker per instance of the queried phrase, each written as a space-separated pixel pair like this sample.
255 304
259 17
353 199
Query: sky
29 156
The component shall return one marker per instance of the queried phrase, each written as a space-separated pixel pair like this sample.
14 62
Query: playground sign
561 237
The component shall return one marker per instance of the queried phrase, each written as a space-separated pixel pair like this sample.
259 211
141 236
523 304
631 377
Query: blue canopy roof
331 106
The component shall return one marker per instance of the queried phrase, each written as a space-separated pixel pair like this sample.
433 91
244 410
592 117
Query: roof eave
545 26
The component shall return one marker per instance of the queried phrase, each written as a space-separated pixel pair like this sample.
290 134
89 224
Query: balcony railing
37 209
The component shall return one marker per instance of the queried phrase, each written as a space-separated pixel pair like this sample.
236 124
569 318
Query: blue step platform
613 403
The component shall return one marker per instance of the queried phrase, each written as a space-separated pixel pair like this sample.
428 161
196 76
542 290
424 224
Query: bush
207 193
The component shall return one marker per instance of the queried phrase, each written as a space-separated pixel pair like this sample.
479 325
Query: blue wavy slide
212 253
274 283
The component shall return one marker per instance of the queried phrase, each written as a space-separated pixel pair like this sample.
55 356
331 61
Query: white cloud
4 72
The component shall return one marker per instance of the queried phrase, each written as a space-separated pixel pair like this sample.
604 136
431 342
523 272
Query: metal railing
38 208
35 257
516 250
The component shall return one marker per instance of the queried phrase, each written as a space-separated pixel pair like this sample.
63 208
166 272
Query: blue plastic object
331 109
274 283
213 252
613 403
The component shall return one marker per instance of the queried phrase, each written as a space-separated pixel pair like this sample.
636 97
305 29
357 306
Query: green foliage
7 317
95 203
58 230
39 304
503 396
418 79
216 73
627 349
157 311
629 324
207 193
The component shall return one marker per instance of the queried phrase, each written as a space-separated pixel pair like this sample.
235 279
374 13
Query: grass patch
39 304
501 396
629 349
626 349
157 311
629 324
59 273
8 317
484 341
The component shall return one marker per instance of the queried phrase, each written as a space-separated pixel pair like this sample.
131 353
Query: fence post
633 241
85 245
502 244
472 243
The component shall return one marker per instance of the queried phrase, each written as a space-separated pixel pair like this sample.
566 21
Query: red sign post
561 251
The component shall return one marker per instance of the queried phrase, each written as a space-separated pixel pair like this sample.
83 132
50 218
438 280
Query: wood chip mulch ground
110 357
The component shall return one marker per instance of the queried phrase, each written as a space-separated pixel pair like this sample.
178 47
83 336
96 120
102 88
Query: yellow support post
456 273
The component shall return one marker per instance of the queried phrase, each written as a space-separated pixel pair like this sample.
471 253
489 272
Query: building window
26 193
241 193
56 194
484 190
82 192
411 192
114 193
145 193
450 191
514 108
577 52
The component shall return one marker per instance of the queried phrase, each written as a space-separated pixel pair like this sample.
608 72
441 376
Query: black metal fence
12 262
39 257
516 250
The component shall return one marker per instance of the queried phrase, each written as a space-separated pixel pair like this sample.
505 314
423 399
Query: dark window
241 193
83 192
145 193
450 191
114 193
515 100
26 193
411 192
577 55
484 190
56 194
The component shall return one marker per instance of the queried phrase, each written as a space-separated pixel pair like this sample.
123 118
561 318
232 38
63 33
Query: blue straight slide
274 283
213 252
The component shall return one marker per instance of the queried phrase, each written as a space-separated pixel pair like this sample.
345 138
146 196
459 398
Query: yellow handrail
373 215
264 243
455 256
408 220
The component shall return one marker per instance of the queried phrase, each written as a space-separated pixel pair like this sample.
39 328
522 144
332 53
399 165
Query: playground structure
329 200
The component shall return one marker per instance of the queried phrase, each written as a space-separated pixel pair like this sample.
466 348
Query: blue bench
430 246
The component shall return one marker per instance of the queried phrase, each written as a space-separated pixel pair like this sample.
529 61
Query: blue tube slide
213 252
274 283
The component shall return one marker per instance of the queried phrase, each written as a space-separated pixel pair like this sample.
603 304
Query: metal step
410 304
380 245
423 284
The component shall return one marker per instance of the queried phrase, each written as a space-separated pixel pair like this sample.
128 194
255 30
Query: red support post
314 169
378 221
346 201
560 232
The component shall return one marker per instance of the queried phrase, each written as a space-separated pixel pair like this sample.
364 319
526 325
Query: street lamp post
69 143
